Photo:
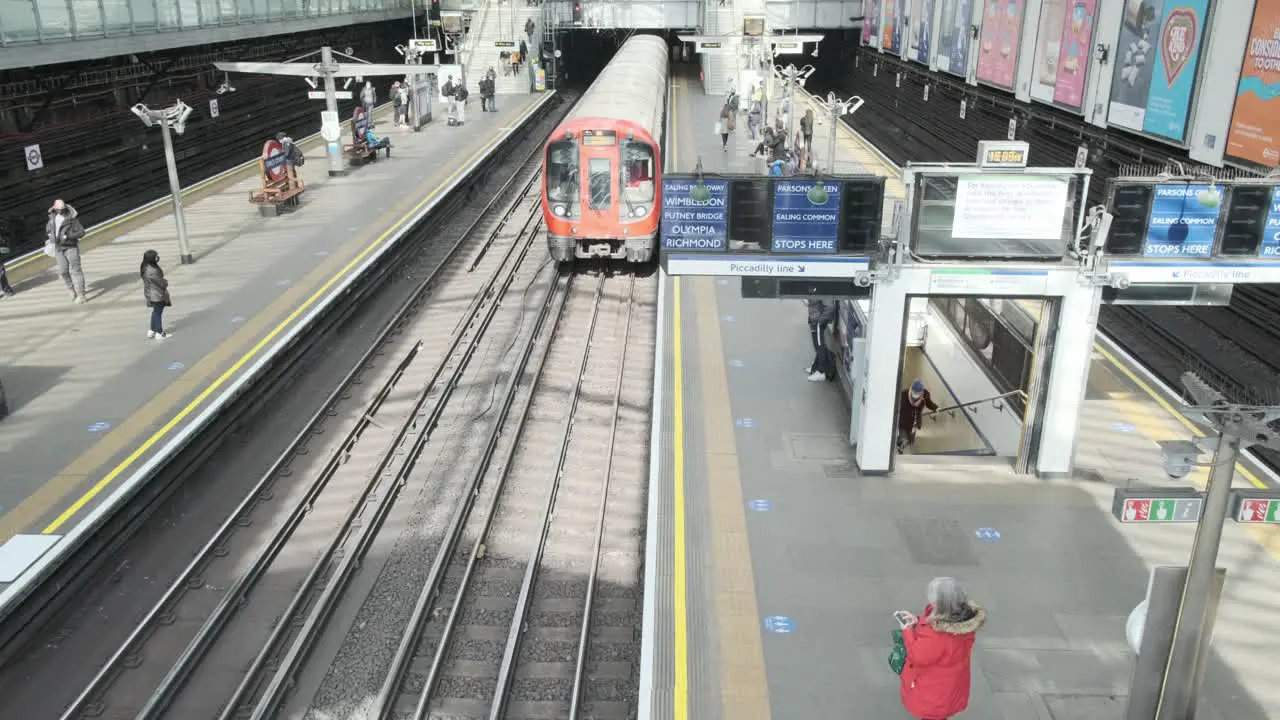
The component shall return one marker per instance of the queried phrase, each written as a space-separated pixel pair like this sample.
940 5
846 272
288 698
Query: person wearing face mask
911 407
63 232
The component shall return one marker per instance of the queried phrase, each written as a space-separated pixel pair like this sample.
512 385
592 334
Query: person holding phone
936 677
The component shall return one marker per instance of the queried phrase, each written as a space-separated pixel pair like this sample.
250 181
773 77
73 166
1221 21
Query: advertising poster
1184 221
920 26
1270 247
799 224
891 37
1074 52
1063 48
1255 124
1158 53
871 22
998 42
689 224
953 36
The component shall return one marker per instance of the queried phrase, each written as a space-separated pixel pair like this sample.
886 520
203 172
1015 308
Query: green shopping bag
898 655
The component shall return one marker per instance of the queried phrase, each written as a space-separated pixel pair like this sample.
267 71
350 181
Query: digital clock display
1006 157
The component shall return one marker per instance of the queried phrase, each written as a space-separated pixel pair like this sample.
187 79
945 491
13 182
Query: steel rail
186 663
182 584
384 704
580 665
302 644
512 648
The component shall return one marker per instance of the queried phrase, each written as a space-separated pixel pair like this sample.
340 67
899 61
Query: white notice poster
1009 207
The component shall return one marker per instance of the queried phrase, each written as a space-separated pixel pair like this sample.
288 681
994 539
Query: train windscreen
562 172
637 173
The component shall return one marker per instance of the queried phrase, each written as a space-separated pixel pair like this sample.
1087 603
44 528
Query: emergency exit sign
1157 505
1255 506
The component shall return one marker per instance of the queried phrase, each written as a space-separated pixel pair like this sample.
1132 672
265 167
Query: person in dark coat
155 291
822 313
63 232
936 678
911 407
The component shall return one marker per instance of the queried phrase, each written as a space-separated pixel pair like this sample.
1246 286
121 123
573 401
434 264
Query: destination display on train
806 217
1270 247
1184 221
599 138
690 222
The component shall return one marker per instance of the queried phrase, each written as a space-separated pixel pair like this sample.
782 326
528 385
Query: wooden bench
276 195
360 153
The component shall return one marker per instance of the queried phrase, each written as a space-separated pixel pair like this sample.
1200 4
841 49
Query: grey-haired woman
936 677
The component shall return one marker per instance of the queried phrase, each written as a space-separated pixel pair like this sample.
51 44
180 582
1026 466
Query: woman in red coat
935 680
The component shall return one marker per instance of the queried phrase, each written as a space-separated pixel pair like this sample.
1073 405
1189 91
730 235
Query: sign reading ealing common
1184 220
806 216
693 217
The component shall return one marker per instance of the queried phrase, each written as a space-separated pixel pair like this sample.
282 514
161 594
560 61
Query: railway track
224 636
531 606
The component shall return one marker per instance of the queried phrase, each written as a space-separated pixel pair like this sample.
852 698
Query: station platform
95 405
773 566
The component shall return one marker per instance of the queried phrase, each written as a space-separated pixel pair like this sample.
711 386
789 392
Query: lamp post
836 109
793 77
174 117
1239 427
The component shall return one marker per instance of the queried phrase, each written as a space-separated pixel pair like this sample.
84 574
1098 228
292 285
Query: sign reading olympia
695 217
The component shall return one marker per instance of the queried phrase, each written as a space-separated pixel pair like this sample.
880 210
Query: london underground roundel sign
273 160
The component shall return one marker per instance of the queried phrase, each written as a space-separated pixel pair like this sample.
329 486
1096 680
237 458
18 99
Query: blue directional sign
689 224
801 225
1270 247
779 624
1184 221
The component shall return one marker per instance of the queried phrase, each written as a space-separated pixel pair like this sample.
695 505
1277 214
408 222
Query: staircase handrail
971 403
479 30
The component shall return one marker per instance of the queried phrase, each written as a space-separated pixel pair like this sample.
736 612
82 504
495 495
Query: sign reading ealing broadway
1184 221
689 224
806 216
1271 233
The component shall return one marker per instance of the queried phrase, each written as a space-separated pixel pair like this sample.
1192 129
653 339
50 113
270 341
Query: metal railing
993 400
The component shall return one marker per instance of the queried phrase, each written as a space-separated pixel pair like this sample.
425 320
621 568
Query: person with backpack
460 94
63 232
155 292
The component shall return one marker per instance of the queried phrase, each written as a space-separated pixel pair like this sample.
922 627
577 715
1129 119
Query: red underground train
602 168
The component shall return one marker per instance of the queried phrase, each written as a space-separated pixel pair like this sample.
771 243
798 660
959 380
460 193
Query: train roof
632 87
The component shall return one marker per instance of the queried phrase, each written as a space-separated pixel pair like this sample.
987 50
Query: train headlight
560 210
639 211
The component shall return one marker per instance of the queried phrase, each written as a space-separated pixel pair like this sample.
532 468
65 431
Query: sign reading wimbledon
1184 221
689 224
806 218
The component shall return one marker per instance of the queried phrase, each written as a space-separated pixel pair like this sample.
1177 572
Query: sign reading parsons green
694 224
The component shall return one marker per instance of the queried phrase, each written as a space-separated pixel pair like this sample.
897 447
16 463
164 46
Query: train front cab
601 194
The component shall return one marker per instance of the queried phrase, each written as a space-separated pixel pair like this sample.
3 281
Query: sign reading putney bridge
791 218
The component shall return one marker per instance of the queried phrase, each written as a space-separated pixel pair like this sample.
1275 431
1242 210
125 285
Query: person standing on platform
821 314
806 131
911 407
724 127
460 94
155 291
368 98
936 677
63 233
400 101
755 119
5 288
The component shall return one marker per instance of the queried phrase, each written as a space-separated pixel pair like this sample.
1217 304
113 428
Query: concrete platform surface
776 567
92 399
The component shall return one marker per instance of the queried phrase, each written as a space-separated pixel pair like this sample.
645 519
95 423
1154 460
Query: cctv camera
1176 467
862 279
1178 457
141 111
400 49
311 82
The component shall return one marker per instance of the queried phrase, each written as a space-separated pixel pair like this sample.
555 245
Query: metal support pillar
836 109
327 68
175 190
1189 654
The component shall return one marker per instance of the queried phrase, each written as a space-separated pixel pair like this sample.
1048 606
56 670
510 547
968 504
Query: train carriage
602 173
